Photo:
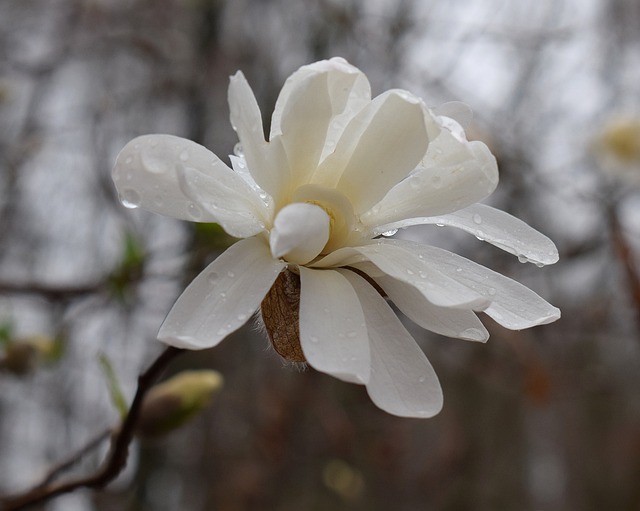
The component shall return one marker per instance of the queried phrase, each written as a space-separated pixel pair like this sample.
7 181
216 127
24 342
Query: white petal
496 227
227 198
360 90
456 110
402 380
300 231
513 305
223 297
147 174
405 264
266 160
453 175
459 323
378 148
333 334
308 108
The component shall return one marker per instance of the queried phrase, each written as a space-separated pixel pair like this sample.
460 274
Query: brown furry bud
281 315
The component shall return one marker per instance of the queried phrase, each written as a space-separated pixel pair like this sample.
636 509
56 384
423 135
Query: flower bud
174 402
24 354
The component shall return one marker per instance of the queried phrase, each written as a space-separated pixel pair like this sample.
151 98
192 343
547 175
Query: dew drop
458 269
153 163
492 291
241 317
184 155
223 295
194 211
410 272
313 339
421 379
212 277
129 160
230 274
477 219
440 225
222 331
539 264
523 258
390 232
130 199
237 150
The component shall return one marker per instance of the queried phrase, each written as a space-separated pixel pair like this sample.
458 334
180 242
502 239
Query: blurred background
546 419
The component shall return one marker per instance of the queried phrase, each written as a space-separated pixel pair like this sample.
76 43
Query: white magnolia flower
338 170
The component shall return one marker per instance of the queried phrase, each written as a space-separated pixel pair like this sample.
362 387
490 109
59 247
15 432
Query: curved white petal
406 265
456 110
227 198
300 231
513 305
459 323
496 227
402 380
453 175
333 334
307 113
147 175
359 93
266 161
223 297
380 146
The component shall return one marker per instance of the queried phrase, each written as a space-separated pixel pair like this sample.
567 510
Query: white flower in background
339 169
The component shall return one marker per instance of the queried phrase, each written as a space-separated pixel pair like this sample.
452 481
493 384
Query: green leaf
115 391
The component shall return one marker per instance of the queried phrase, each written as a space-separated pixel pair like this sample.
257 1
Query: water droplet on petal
313 339
421 379
184 155
390 232
194 211
492 291
230 274
129 160
523 258
237 150
477 219
222 331
212 277
130 199
241 317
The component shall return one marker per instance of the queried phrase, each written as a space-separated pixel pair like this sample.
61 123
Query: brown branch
626 256
116 459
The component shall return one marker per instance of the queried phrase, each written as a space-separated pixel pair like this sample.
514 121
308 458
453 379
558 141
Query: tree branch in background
117 457
626 256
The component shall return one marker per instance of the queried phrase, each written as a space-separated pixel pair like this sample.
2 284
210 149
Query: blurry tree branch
116 459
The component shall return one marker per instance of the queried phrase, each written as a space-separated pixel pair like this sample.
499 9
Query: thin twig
116 459
626 256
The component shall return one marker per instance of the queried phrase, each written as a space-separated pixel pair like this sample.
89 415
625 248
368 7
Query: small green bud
174 402
23 355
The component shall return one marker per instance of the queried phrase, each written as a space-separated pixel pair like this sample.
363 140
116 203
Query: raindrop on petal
130 199
390 232
184 155
237 150
194 211
477 218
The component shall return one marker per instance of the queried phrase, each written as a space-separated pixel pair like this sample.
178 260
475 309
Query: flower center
337 207
300 232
